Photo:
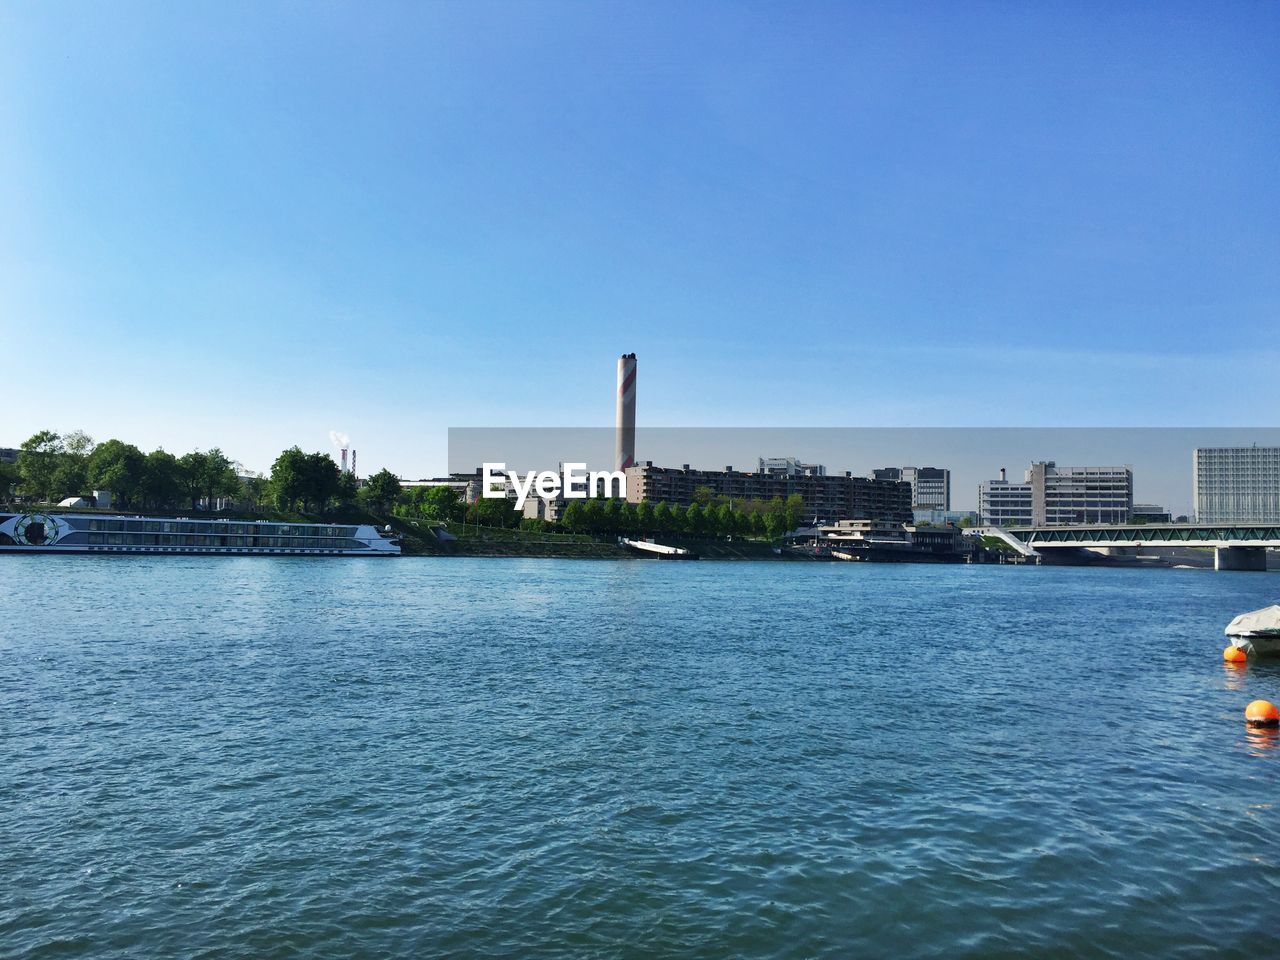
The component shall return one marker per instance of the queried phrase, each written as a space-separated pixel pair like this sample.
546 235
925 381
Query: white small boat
1257 632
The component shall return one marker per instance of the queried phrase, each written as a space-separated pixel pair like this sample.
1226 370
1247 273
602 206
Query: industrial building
465 485
1150 513
1237 484
930 486
1051 495
790 467
825 496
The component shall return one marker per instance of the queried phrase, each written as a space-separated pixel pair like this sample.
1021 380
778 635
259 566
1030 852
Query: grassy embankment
996 544
477 541
470 540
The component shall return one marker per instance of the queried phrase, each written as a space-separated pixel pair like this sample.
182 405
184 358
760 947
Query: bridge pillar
1240 558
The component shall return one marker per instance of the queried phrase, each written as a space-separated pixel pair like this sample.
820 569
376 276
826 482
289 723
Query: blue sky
247 225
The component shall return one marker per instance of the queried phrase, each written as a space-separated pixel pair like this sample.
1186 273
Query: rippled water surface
504 758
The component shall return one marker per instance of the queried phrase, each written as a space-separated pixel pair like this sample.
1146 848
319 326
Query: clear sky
246 225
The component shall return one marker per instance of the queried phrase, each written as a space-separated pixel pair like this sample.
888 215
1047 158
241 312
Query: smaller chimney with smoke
341 441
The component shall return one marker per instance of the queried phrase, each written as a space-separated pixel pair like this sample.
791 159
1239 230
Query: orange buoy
1262 713
1234 654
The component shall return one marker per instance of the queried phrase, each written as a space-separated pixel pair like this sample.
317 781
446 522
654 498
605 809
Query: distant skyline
1161 457
249 226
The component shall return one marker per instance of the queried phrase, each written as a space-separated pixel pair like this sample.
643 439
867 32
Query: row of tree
312 482
706 517
52 467
769 518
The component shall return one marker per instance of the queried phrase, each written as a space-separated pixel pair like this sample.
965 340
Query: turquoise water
491 758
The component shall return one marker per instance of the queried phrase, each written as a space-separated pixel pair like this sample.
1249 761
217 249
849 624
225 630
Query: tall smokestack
624 454
344 459
353 465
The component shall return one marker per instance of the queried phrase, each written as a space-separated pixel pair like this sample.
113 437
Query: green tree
592 516
288 482
9 480
644 517
694 520
190 476
38 461
662 519
77 443
161 484
218 477
438 503
120 468
381 490
610 516
725 521
775 518
572 519
348 491
321 481
628 522
793 512
208 476
497 512
675 525
254 491
70 479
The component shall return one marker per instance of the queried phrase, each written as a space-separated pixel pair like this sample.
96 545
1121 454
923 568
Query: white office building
1237 484
1050 495
1004 502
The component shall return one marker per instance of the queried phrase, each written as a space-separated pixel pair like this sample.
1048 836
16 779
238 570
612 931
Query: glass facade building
1237 484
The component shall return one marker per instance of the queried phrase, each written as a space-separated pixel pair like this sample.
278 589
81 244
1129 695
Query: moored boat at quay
117 534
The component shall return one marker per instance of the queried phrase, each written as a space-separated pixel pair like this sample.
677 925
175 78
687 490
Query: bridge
1236 546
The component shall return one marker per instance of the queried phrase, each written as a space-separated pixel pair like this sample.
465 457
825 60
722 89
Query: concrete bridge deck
1237 546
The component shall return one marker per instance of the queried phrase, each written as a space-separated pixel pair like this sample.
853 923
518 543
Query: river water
514 758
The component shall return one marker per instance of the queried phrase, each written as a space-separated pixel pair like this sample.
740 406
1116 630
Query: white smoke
340 440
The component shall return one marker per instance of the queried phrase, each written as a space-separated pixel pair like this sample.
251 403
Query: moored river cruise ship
101 533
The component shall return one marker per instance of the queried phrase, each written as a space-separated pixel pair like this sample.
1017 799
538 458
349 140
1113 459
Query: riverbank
468 540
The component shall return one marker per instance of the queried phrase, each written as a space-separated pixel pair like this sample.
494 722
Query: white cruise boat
102 533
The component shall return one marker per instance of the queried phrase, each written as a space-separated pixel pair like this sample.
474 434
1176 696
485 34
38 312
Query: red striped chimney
625 436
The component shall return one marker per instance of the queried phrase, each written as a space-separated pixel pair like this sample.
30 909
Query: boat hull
1261 645
118 535
1257 632
193 552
